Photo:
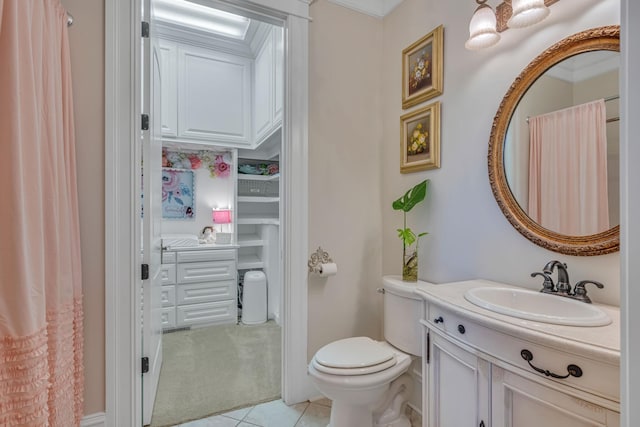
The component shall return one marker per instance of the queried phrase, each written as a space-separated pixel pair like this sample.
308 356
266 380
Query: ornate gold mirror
553 150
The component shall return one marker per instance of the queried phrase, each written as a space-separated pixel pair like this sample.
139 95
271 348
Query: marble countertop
203 246
600 342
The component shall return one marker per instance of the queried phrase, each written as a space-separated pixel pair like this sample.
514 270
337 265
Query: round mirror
553 151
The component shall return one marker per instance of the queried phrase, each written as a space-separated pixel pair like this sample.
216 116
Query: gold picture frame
420 139
422 69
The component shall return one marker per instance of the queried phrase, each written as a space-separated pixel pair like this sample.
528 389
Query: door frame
122 262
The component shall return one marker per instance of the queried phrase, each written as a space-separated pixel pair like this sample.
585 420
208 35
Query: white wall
469 237
209 193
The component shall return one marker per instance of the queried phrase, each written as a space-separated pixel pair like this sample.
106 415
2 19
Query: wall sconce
482 28
485 26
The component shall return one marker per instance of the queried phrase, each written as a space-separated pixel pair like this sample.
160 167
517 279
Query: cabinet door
263 115
459 385
520 402
214 96
278 71
169 87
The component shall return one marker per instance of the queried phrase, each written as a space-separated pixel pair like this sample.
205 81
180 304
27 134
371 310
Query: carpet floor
210 370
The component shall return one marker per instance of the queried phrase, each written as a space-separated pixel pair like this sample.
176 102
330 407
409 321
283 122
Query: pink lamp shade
222 216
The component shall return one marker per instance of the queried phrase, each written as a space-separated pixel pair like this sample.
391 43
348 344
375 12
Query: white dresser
199 287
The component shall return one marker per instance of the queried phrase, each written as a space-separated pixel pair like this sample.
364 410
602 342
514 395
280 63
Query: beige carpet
210 370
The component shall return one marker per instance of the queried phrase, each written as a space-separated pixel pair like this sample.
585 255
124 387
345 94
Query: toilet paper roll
328 269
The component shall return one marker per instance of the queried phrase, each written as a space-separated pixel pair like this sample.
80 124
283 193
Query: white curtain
41 337
568 170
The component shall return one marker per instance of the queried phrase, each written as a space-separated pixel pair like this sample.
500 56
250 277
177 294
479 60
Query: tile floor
271 414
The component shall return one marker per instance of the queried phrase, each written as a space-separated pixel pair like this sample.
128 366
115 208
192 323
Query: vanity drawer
209 255
168 257
598 378
210 312
168 317
168 296
206 292
196 272
168 274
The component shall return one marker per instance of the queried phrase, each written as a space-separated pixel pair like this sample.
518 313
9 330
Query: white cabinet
201 288
214 96
268 86
467 403
484 372
169 87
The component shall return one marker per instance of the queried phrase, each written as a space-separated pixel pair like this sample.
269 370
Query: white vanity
482 368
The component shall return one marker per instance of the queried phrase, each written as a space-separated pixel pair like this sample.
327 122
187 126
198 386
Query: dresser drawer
210 312
168 257
210 255
168 317
206 292
168 274
196 272
168 295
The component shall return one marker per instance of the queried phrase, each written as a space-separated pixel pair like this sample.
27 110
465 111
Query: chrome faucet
563 287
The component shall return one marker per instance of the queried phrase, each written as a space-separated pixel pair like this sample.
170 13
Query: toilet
367 379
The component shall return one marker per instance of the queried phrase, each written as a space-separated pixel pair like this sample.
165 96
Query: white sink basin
531 305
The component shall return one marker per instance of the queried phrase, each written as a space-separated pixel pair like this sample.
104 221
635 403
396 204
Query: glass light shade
527 12
222 216
482 29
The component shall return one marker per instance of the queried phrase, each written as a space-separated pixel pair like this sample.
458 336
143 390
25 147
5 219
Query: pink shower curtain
568 170
41 367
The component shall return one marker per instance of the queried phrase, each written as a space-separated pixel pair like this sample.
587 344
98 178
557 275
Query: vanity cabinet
476 374
201 288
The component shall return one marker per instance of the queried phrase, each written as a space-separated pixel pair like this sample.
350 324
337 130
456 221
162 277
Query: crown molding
376 8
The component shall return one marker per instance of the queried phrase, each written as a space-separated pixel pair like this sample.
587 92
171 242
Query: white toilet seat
354 356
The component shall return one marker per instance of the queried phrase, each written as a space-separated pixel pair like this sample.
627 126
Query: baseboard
94 420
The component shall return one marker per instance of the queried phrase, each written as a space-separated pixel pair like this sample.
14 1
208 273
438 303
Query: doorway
123 281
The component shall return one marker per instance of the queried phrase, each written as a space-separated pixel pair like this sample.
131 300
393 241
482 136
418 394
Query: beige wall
345 135
469 237
86 37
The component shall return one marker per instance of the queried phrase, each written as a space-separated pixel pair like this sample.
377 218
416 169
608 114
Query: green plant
405 204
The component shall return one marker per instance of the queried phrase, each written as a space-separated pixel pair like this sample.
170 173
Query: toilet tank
402 314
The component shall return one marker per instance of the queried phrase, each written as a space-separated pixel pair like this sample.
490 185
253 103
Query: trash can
254 298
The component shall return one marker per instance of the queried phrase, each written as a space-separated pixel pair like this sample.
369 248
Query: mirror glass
562 144
553 151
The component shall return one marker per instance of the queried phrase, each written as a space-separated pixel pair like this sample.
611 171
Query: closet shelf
248 240
248 177
244 219
246 262
258 199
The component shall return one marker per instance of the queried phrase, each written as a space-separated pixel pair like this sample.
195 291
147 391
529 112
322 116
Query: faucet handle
580 293
547 285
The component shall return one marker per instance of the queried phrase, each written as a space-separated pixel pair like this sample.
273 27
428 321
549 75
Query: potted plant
410 251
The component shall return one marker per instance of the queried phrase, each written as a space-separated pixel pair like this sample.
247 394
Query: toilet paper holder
319 257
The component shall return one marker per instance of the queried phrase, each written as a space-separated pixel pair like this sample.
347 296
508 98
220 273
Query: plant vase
410 265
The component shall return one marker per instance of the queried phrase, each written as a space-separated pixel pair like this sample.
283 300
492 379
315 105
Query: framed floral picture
178 200
420 139
422 69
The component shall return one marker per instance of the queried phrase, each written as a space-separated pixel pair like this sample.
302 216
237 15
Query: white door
152 217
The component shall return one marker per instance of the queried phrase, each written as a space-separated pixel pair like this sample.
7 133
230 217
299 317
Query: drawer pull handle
481 423
438 319
573 370
461 329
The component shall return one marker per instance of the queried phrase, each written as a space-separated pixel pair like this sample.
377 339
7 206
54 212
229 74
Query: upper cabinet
220 95
214 96
268 86
169 87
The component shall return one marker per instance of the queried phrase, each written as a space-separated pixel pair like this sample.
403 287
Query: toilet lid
354 356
